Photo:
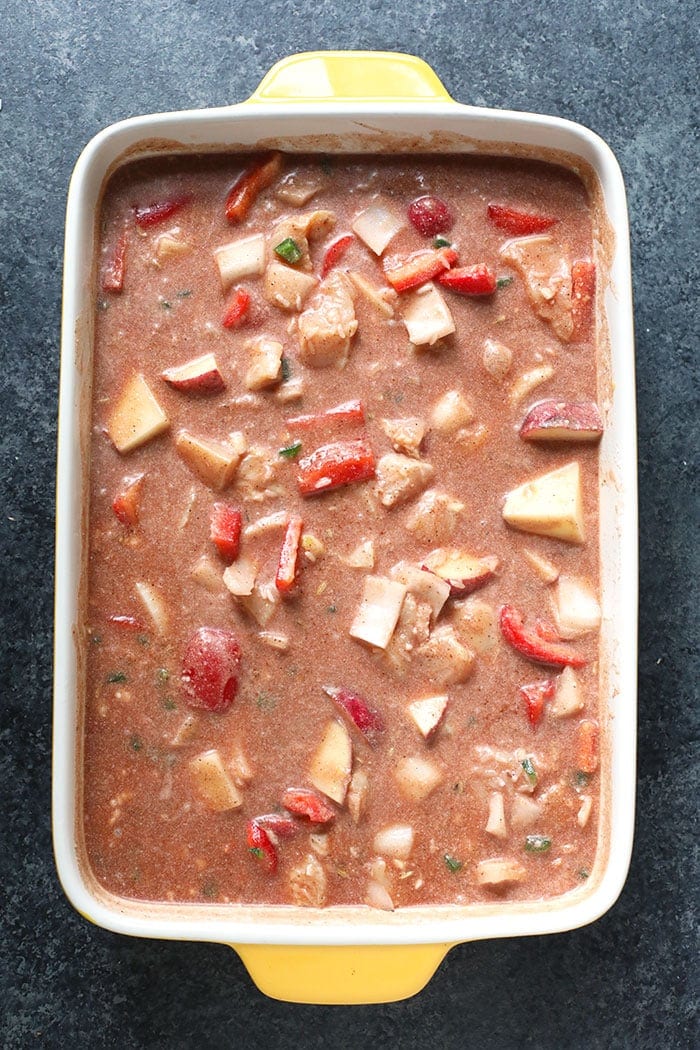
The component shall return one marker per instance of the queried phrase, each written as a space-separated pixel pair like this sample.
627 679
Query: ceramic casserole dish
353 102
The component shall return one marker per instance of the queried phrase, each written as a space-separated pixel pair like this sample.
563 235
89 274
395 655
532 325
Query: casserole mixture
343 572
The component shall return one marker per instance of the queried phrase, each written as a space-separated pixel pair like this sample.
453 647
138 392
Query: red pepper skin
470 280
113 273
127 503
278 824
149 215
587 734
261 846
531 645
333 465
306 803
367 720
237 309
583 280
289 555
250 184
348 412
419 268
335 252
535 696
127 623
518 223
225 523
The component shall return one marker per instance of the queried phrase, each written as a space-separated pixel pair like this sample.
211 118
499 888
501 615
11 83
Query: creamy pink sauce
149 833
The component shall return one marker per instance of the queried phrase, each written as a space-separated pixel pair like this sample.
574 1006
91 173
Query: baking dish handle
350 76
345 975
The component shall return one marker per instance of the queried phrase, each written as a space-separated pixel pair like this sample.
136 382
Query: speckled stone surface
626 69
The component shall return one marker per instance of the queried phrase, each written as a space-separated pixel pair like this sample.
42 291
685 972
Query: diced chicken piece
527 382
417 777
286 287
496 358
549 505
497 872
444 658
298 187
379 610
547 277
207 574
154 606
381 297
427 316
427 714
496 823
412 630
451 412
256 479
476 624
362 556
170 245
377 226
137 417
213 782
261 603
265 363
328 325
568 697
434 517
575 605
215 462
331 765
424 586
239 577
524 811
399 478
241 258
356 798
545 569
307 883
405 434
395 840
310 226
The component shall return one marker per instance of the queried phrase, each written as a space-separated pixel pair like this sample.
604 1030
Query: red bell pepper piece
582 297
278 824
113 273
237 309
518 223
149 215
287 564
531 645
535 696
348 412
335 252
470 280
419 268
367 720
333 465
306 803
127 623
225 524
127 503
250 184
261 846
587 746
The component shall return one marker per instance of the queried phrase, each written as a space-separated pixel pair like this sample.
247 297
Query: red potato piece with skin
287 565
115 268
474 280
146 216
587 734
127 503
250 184
518 223
225 523
366 719
535 696
201 375
348 412
237 310
127 623
583 281
306 803
462 571
211 668
531 645
333 465
334 253
562 421
419 268
430 215
281 826
261 846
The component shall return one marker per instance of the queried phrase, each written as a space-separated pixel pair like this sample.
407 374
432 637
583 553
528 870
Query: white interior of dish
341 128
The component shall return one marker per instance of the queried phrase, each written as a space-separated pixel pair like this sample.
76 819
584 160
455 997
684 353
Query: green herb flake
162 675
332 608
537 843
142 639
291 451
442 242
103 304
96 639
166 304
581 779
184 294
169 704
210 888
285 369
452 864
256 851
265 701
289 250
136 743
530 771
116 677
503 282
583 874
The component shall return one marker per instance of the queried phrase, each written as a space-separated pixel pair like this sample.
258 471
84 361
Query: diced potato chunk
451 412
287 288
396 840
331 765
427 714
405 434
328 325
568 698
444 658
545 569
584 810
213 782
496 823
427 316
170 245
524 811
496 358
378 896
549 505
417 777
215 462
265 363
207 574
307 883
377 226
362 556
154 606
425 586
412 630
241 258
399 478
297 188
496 872
137 417
475 622
382 298
576 608
356 797
434 518
379 610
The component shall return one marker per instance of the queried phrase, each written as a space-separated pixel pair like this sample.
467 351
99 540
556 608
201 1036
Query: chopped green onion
583 873
166 304
256 851
581 779
442 242
289 250
96 639
136 743
142 639
103 304
503 282
210 889
326 165
286 369
169 704
185 294
452 864
291 451
266 701
537 843
530 771
332 608
116 676
162 674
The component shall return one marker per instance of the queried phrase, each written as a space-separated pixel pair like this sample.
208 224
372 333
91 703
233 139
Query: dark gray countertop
70 67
